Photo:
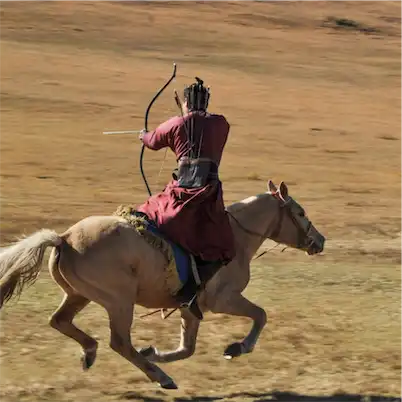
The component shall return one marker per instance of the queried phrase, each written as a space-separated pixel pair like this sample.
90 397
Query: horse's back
92 230
110 238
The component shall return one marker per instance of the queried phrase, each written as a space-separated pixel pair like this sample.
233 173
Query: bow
146 126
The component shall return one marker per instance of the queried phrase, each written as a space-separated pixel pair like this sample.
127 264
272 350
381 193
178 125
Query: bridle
283 207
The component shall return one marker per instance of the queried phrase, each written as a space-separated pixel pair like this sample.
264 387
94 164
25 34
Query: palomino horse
103 259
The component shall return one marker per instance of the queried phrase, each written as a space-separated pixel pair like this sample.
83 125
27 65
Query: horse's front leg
234 303
188 340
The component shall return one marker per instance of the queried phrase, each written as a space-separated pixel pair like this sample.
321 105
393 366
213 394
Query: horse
104 260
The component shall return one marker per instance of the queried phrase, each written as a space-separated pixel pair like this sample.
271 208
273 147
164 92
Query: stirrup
189 303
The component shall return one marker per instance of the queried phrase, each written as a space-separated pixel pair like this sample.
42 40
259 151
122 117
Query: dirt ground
313 99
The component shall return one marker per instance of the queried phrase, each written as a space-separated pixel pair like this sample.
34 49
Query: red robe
193 218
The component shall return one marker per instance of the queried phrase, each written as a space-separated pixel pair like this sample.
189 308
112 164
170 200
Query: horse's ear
271 187
283 191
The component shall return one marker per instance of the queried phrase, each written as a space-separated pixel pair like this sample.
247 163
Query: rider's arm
162 136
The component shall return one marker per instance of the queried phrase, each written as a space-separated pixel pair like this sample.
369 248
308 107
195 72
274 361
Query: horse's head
293 227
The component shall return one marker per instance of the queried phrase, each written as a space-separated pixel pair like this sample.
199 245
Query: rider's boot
187 296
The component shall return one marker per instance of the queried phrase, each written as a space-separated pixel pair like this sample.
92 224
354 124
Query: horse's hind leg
121 318
113 289
237 304
62 318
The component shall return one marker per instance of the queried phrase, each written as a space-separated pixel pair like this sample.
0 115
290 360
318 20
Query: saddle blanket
181 264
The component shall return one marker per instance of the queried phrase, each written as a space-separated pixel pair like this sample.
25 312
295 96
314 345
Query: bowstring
177 99
161 168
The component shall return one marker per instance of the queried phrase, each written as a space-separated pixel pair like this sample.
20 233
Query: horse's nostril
316 248
320 248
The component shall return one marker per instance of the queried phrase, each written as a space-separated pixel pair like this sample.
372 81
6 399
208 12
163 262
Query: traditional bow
146 126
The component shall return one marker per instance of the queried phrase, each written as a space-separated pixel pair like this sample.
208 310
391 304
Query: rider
190 210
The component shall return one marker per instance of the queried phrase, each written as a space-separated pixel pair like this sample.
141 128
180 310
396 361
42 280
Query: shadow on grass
268 397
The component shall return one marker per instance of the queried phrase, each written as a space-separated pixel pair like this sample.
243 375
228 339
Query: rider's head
196 96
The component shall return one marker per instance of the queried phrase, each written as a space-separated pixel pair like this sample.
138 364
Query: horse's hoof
88 359
170 384
147 352
233 350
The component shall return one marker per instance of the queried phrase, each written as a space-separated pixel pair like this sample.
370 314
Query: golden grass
310 104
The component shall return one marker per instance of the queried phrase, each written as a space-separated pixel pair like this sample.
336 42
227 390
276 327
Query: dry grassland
310 102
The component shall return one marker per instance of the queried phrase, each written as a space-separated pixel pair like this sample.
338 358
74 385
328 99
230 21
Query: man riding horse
190 210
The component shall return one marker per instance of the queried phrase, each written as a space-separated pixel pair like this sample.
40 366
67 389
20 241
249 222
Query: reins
274 234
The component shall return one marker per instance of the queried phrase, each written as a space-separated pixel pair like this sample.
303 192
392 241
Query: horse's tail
21 262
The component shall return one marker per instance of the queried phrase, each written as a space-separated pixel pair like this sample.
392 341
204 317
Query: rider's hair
197 96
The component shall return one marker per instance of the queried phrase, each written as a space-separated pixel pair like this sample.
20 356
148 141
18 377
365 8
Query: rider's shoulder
219 117
174 121
209 116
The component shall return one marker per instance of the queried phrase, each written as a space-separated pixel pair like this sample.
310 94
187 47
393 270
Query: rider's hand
142 133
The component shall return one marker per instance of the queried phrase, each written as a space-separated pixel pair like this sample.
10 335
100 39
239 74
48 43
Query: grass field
312 99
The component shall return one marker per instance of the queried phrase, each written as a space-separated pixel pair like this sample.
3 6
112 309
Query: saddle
185 274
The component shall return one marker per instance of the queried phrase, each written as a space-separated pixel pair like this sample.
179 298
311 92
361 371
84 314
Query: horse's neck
255 214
